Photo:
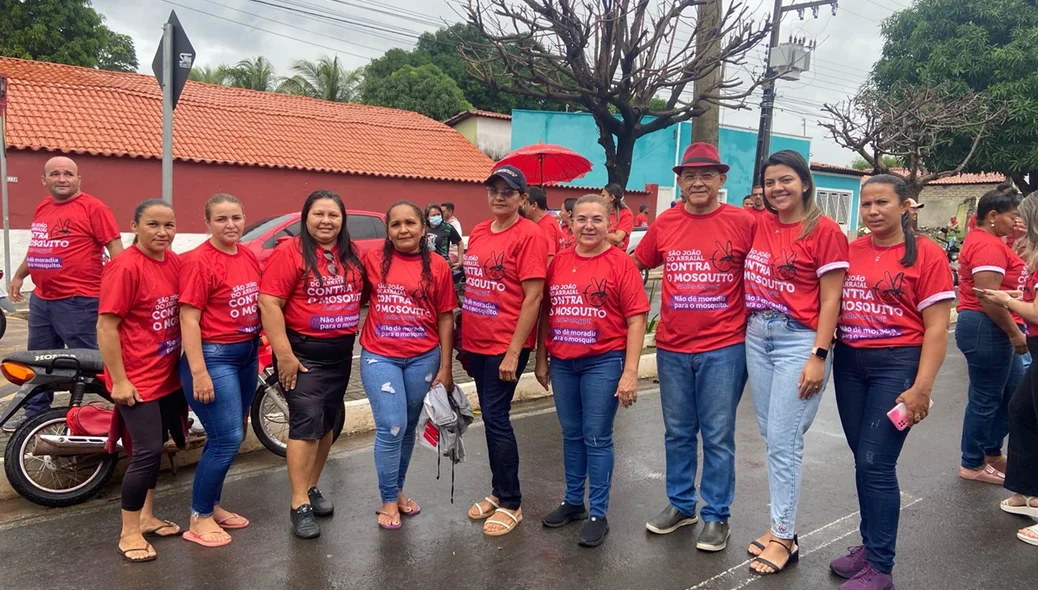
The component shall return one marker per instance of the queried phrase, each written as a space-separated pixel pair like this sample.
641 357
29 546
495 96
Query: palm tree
254 74
208 75
325 79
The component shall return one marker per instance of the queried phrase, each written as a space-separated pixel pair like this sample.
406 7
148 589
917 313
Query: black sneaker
670 520
714 536
563 515
322 506
594 532
11 425
304 525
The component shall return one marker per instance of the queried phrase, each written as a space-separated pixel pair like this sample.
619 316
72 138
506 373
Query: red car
367 230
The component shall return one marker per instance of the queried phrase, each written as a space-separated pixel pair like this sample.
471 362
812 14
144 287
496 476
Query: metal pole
167 113
767 103
3 193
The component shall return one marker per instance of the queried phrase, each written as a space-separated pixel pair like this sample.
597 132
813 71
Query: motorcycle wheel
53 481
269 415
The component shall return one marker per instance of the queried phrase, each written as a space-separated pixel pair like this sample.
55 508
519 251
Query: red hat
701 155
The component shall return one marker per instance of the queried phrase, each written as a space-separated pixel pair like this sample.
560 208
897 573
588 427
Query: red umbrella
544 163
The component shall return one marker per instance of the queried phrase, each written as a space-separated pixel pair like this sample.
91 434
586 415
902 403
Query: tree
987 46
425 89
63 31
619 53
208 74
253 74
910 124
862 164
325 79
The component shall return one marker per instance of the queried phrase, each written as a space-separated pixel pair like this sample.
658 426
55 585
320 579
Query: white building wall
494 137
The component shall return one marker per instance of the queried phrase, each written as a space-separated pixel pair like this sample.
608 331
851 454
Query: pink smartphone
899 416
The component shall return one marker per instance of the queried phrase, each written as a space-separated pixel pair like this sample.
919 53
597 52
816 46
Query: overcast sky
226 31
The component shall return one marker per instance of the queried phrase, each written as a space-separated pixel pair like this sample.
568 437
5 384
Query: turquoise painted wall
824 180
653 154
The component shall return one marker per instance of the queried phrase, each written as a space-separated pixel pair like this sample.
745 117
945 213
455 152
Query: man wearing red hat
701 356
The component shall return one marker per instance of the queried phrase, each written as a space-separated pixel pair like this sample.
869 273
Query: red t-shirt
496 264
623 222
641 220
402 314
144 293
590 300
226 288
702 257
67 245
550 226
324 306
983 252
1029 291
783 271
566 238
883 302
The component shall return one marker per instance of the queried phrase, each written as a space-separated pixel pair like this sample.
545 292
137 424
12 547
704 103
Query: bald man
70 231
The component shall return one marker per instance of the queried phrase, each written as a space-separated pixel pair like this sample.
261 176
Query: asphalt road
952 533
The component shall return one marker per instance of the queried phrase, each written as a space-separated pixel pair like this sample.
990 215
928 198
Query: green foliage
325 79
63 31
207 74
860 163
254 74
988 46
425 89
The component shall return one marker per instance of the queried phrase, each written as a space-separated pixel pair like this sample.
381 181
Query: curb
359 420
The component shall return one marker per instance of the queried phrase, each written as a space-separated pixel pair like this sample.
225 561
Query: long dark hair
423 246
347 255
901 190
812 213
428 210
144 206
616 194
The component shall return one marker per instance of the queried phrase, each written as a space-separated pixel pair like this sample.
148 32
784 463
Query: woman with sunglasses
219 316
310 300
138 334
406 349
504 281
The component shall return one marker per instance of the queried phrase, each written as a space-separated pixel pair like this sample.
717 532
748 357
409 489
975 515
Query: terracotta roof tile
820 167
78 110
981 178
475 113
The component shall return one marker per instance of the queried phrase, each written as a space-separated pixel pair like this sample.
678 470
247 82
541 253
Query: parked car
367 230
636 236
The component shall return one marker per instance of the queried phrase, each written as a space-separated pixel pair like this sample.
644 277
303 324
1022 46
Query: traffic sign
183 58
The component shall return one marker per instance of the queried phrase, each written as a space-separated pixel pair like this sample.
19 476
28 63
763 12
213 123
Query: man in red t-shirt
642 219
758 198
701 355
537 212
70 231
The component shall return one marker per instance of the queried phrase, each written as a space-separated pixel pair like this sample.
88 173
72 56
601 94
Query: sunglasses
333 269
506 193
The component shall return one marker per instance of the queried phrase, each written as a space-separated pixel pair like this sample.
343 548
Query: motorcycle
49 464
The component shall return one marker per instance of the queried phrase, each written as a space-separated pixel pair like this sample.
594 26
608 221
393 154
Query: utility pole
706 126
767 103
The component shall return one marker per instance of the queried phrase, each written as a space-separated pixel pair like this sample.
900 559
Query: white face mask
435 220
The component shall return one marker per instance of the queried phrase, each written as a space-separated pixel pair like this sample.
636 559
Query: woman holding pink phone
892 335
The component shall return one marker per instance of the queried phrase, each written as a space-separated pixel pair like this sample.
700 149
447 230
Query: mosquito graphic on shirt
63 228
723 258
787 270
889 289
494 269
597 292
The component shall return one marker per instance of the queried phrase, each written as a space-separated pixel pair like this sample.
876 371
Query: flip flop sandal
508 526
986 475
794 556
1026 510
417 509
227 524
1029 540
389 527
168 524
758 545
201 539
126 554
483 515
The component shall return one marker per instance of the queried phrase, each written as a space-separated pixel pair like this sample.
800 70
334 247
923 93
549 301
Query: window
722 196
365 227
835 205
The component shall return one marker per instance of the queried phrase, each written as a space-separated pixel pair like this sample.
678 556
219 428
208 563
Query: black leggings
148 424
1022 455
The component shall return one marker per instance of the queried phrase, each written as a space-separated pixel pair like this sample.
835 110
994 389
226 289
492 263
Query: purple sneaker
849 565
869 578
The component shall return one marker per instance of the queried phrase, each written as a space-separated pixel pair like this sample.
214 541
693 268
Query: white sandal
507 527
1029 540
1026 510
483 515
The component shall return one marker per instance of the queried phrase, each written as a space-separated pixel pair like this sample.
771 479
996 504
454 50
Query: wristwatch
820 352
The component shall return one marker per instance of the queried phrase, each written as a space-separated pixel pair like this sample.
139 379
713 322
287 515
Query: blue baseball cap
512 176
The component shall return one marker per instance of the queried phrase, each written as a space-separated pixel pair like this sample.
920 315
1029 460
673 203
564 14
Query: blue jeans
995 371
234 370
868 382
699 393
59 323
777 347
396 388
585 400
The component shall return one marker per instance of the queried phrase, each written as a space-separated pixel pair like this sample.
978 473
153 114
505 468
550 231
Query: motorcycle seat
83 359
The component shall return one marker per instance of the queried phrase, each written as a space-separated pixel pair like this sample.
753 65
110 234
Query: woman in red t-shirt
310 298
505 265
138 334
406 347
219 318
893 337
621 220
593 325
566 238
793 279
989 336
